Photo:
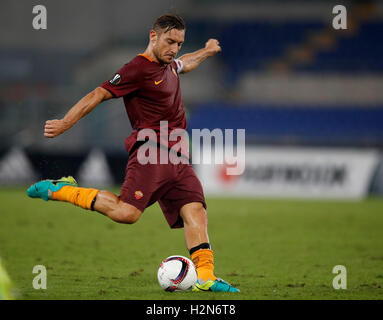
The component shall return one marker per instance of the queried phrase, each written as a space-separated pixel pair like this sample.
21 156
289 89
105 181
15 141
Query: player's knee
199 209
194 213
202 212
128 214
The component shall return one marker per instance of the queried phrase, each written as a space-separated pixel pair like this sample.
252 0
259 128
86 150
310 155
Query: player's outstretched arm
53 128
193 59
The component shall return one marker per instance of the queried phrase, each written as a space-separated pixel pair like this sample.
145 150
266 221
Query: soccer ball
177 273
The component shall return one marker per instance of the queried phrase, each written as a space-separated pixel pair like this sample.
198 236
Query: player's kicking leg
67 190
107 203
197 242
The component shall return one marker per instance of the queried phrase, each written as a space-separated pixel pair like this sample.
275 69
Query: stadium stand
317 126
251 45
361 52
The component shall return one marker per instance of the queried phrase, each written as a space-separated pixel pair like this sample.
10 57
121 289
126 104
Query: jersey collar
145 56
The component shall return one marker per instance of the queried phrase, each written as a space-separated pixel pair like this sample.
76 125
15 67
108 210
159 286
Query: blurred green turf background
270 249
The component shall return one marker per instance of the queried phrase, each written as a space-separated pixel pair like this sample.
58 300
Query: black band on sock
204 245
93 202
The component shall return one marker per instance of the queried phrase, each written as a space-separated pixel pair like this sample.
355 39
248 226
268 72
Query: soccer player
150 87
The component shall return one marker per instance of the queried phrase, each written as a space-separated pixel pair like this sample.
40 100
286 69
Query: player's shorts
172 185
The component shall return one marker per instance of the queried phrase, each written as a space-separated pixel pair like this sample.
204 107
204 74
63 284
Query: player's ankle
203 259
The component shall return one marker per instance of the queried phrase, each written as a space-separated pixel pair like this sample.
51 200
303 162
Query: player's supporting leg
105 202
197 242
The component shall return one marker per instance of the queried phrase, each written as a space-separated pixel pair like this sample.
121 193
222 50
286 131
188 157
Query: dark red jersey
151 93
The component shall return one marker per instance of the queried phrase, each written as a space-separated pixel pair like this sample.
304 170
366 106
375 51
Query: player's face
167 44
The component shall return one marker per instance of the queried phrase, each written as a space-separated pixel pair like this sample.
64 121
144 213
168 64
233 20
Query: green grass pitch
270 249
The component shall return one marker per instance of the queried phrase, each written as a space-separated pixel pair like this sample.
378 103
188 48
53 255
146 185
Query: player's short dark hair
168 22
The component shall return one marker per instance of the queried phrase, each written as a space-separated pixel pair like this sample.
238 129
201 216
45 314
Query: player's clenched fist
53 128
212 45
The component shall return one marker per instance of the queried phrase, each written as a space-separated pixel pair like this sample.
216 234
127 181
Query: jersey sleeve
124 81
179 64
